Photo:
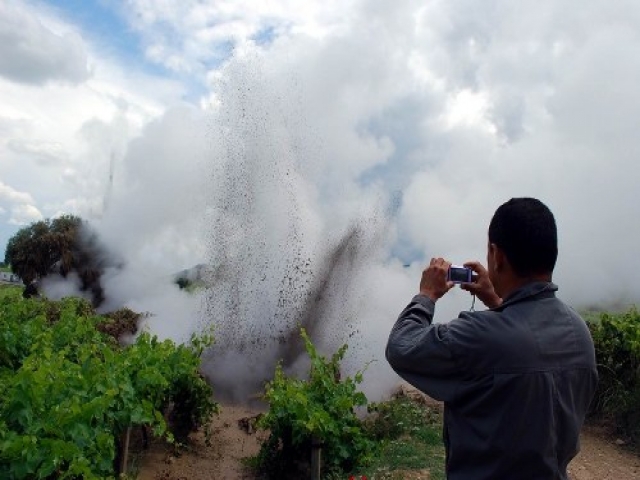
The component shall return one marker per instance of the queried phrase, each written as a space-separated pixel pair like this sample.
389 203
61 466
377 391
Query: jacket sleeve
422 353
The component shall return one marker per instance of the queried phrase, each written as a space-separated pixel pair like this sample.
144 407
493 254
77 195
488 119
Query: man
517 379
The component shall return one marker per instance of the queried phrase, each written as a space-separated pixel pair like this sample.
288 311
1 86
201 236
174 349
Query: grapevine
68 391
320 410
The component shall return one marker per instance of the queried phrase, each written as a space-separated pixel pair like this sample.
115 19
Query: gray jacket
516 382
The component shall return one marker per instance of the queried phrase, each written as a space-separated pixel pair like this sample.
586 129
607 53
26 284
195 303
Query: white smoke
408 125
153 223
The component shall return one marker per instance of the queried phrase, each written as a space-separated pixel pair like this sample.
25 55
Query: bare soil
232 440
600 458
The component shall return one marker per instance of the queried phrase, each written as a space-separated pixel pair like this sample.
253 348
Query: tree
61 245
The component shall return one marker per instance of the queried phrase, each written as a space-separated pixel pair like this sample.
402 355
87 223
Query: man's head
523 231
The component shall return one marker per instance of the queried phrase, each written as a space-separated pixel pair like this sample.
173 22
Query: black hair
525 230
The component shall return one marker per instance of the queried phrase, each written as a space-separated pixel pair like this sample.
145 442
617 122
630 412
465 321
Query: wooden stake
125 454
316 458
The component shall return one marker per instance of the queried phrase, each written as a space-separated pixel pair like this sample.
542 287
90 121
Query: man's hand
482 286
434 279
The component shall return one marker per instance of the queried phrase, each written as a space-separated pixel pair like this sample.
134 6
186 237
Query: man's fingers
439 262
475 266
469 287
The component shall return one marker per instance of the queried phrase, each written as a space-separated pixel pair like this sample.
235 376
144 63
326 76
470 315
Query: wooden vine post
125 451
316 458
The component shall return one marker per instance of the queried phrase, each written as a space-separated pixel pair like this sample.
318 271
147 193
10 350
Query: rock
248 424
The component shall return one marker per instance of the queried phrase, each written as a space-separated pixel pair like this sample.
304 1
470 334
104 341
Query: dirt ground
231 442
600 457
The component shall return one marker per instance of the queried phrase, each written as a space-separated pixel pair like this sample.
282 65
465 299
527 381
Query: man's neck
515 283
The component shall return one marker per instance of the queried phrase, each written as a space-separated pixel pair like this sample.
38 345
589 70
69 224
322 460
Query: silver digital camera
458 274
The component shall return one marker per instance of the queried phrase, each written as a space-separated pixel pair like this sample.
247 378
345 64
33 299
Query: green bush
320 409
617 342
68 391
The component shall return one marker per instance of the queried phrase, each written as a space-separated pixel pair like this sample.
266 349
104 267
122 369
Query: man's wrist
430 295
426 302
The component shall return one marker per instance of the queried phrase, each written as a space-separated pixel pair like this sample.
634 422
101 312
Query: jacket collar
528 292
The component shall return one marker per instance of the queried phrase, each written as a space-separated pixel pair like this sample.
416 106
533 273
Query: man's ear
498 256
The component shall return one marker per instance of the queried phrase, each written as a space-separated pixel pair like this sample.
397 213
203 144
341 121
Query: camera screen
460 275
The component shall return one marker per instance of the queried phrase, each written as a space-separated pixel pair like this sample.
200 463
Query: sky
412 121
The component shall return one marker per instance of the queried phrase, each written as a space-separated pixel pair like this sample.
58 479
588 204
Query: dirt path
599 459
220 461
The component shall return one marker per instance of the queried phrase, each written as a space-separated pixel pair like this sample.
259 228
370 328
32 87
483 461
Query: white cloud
467 108
34 54
11 195
565 130
43 153
19 204
58 139
191 36
24 214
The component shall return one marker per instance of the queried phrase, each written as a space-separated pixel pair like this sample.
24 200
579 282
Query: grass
408 438
410 441
10 290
